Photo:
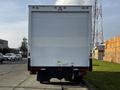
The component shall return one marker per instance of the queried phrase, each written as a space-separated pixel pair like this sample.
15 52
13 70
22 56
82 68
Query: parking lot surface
14 76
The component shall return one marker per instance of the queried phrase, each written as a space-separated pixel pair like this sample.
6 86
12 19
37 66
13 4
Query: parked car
1 58
9 56
18 56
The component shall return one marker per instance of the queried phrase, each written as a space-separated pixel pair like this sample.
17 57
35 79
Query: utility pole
102 36
98 23
94 27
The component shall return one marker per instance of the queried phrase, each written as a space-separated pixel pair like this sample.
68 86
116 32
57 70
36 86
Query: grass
105 76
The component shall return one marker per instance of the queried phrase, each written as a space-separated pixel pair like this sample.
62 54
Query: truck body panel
60 37
60 41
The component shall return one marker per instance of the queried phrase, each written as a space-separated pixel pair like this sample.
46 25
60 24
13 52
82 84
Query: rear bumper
57 68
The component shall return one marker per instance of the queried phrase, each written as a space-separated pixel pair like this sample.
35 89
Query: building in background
98 52
14 50
3 44
112 50
5 49
24 47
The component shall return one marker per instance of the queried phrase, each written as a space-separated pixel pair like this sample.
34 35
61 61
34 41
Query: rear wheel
77 77
32 72
43 77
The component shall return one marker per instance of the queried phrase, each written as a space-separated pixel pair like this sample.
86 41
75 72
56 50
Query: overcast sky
14 19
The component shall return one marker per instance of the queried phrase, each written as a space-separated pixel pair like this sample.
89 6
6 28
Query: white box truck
60 41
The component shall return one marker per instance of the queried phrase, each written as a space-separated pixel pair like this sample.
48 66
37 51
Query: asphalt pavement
14 76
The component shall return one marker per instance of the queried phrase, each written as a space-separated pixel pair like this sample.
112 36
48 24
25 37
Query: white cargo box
60 36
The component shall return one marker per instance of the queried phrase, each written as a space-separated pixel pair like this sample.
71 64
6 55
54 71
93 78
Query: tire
78 78
68 78
15 59
32 73
10 59
42 77
1 61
